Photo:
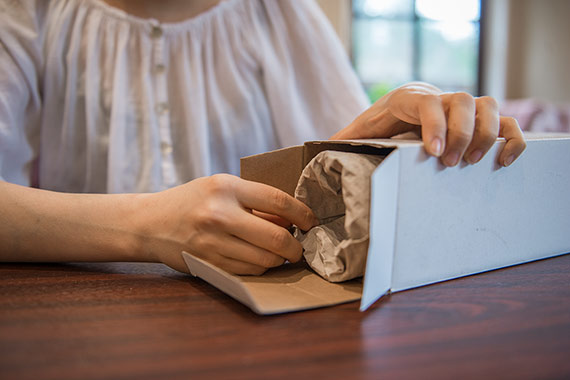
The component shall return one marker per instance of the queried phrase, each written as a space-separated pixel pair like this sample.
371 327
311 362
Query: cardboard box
428 223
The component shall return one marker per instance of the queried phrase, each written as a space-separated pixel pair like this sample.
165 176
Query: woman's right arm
211 217
40 225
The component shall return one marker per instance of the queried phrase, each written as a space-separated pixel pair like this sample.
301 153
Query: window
398 41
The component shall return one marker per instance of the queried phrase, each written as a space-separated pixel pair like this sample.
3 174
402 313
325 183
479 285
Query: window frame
416 21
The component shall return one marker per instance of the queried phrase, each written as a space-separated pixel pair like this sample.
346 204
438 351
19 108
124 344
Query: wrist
155 236
137 221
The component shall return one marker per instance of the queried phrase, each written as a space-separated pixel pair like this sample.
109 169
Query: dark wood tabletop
145 321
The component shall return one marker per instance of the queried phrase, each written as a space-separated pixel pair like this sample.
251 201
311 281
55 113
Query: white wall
538 62
339 14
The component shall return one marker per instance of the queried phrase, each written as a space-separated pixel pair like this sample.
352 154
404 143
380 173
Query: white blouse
95 100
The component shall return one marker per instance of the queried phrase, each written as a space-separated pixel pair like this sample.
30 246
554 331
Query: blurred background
517 51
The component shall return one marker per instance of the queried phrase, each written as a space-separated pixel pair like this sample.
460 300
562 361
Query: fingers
515 144
263 233
267 199
267 236
460 126
275 208
432 119
272 218
243 251
225 224
486 129
242 243
453 125
471 130
231 252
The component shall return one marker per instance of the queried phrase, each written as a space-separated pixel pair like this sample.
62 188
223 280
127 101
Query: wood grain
145 321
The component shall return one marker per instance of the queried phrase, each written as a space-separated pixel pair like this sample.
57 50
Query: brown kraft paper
336 186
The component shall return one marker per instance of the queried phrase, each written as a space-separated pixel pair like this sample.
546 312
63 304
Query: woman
148 100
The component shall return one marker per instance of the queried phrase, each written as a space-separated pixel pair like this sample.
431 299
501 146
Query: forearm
39 225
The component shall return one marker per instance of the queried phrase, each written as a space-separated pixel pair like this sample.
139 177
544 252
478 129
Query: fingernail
475 156
451 159
436 147
509 160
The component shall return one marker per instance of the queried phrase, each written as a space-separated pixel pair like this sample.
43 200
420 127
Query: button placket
159 68
162 107
156 31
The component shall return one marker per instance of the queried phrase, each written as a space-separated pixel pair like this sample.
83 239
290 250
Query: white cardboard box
428 223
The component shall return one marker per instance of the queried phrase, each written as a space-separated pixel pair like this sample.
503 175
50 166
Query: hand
232 223
452 125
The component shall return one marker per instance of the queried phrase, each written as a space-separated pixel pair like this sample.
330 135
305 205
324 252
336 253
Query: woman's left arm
452 125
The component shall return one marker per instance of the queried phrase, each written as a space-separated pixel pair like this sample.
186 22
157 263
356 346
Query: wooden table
145 321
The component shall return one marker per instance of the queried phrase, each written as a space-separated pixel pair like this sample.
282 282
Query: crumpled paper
336 186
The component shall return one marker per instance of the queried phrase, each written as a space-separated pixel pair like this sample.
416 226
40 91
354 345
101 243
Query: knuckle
308 217
298 252
220 183
461 136
488 102
269 260
463 99
205 246
280 239
512 122
486 137
212 216
431 99
509 126
509 121
280 200
265 261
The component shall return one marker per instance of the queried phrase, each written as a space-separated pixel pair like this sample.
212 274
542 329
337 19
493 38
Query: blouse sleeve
20 103
311 87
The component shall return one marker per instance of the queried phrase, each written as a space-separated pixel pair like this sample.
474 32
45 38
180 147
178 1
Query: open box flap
269 168
290 287
383 213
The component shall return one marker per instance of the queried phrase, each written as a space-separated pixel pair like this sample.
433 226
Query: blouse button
166 148
160 68
162 108
156 31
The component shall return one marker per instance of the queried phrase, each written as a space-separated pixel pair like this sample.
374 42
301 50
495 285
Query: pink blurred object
538 116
